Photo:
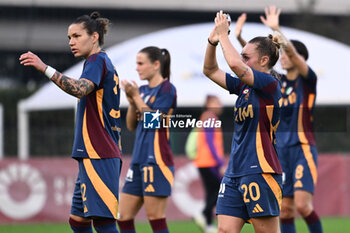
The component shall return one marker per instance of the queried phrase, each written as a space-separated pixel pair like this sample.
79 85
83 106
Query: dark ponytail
161 55
94 23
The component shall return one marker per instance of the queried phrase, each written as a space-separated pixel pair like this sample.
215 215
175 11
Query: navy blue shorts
149 180
97 188
299 165
250 196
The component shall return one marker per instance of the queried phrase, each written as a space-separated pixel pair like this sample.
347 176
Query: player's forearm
234 61
77 88
297 60
131 118
210 63
241 40
140 104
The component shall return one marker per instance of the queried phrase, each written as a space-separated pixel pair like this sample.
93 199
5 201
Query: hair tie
270 36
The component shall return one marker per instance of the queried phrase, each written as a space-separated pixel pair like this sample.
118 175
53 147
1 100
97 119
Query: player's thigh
155 206
129 206
229 224
268 224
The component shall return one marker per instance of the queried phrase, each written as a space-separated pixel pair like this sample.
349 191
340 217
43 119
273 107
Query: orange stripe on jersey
269 112
310 161
165 170
103 191
301 133
261 155
88 146
171 110
99 98
274 186
311 100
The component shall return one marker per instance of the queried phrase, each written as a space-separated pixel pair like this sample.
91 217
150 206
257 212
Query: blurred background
41 26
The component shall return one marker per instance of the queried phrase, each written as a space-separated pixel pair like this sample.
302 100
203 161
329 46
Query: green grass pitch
331 225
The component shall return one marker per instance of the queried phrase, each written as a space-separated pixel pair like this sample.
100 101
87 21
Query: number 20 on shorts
253 190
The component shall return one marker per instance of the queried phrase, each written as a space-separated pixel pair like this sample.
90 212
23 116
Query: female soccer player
251 187
97 130
151 173
295 139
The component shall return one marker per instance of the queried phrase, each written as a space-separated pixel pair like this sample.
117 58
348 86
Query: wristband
213 44
49 72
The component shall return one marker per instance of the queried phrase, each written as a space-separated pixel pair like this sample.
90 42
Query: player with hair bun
251 187
97 128
150 177
295 139
296 145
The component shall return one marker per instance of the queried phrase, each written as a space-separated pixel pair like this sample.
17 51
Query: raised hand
239 24
31 59
126 86
221 24
272 14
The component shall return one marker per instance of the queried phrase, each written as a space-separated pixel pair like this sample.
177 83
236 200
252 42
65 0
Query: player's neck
155 81
292 74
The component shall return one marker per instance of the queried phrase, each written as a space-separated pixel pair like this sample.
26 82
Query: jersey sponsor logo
257 209
242 113
150 189
151 120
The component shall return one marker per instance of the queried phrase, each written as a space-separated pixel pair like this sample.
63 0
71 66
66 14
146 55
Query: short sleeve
311 78
166 98
264 82
93 69
233 84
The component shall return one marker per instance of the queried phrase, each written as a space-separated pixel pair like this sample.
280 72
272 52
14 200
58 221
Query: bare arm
238 29
272 21
297 60
133 94
77 88
233 58
211 68
131 117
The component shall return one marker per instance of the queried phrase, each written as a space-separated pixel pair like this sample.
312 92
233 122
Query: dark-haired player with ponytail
251 187
151 173
97 127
